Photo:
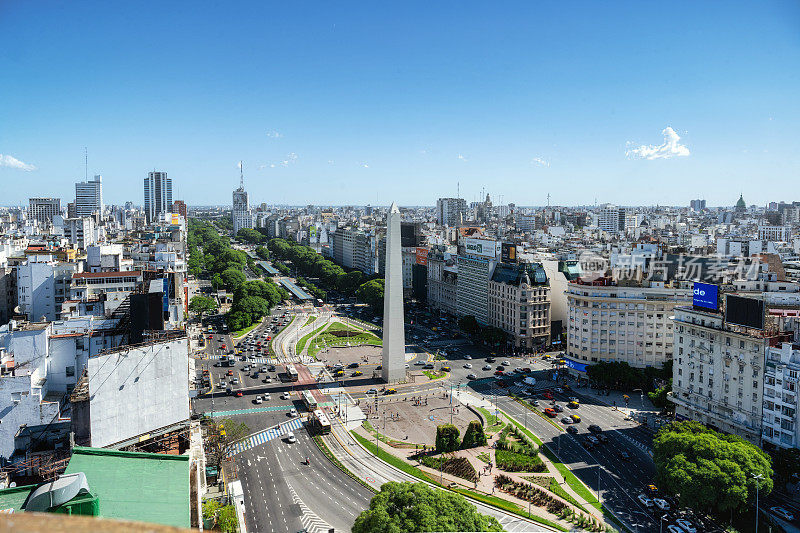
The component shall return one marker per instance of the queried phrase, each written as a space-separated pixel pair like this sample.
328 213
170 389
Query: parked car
575 418
558 409
661 504
672 528
686 525
625 456
644 500
487 367
506 363
285 396
257 400
783 513
293 412
467 365
602 437
371 391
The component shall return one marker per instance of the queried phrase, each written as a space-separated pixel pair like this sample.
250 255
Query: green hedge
518 462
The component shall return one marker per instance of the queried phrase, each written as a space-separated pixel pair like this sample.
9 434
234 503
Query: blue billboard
574 365
706 296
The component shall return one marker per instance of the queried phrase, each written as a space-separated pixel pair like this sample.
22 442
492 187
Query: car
487 367
271 368
285 396
445 369
572 429
357 373
407 366
235 381
472 376
267 397
652 490
547 396
467 357
575 418
574 399
587 443
264 368
644 500
229 373
573 405
419 363
257 399
686 525
389 391
602 437
267 379
557 408
674 529
501 367
593 440
238 394
490 359
293 412
428 366
550 412
661 503
625 456
338 373
371 391
498 372
290 438
566 420
467 365
535 403
558 389
594 428
507 362
782 512
352 365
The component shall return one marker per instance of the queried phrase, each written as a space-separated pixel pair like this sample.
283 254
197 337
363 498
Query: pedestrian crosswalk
636 443
311 522
266 435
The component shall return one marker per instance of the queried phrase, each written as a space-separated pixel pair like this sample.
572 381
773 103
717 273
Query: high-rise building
241 215
608 218
450 211
519 303
179 207
43 209
89 197
157 195
697 205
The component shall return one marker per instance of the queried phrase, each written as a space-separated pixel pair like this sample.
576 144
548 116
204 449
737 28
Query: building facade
472 286
780 426
89 197
519 304
242 218
43 209
157 195
607 322
451 211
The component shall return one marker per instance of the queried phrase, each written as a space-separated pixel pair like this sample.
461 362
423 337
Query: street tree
232 278
221 437
709 471
469 324
202 304
371 293
410 507
446 438
474 435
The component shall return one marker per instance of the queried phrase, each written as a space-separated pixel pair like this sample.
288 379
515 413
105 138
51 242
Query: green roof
148 487
13 498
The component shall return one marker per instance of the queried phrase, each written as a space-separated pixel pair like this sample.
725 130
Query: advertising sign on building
422 256
481 247
508 253
705 295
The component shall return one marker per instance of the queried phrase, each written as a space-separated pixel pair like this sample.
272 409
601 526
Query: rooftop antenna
241 175
458 189
548 199
85 164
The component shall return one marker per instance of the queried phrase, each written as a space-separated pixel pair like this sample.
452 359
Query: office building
157 195
43 209
442 275
89 197
697 205
179 207
475 268
241 216
608 218
780 426
451 211
775 233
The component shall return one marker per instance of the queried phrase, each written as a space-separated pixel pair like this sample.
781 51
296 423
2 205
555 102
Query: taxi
573 405
575 418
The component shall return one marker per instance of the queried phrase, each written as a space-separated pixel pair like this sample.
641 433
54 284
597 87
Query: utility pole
757 478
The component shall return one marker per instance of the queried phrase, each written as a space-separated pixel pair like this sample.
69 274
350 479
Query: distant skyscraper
44 209
608 218
697 205
89 197
242 218
450 211
157 195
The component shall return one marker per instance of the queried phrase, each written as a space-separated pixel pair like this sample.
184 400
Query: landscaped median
483 498
339 334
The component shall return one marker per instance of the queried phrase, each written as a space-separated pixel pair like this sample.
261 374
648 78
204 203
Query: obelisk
394 337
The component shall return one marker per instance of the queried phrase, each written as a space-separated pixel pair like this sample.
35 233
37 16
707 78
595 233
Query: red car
269 337
498 373
238 394
210 337
548 396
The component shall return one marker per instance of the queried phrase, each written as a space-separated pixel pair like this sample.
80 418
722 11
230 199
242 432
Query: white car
419 363
472 376
783 513
467 357
468 365
647 502
506 363
290 438
285 396
266 397
661 504
686 525
558 389
258 399
293 412
487 367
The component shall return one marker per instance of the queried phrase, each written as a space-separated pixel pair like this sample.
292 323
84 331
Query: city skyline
336 107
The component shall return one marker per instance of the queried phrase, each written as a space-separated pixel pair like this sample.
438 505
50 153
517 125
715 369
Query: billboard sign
705 295
747 312
422 256
508 253
574 365
481 247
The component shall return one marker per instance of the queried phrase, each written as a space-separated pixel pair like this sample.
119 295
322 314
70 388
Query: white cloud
364 164
330 161
540 162
272 134
461 157
290 158
671 147
12 162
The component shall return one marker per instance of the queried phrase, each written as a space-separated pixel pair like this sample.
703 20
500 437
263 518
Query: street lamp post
757 478
661 523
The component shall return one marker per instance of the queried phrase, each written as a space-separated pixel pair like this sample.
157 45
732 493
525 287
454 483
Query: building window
70 371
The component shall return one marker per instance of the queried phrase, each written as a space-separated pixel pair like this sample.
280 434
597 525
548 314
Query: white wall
132 392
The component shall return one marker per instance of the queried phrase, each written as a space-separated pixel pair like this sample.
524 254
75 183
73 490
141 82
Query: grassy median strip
538 412
494 501
324 448
310 320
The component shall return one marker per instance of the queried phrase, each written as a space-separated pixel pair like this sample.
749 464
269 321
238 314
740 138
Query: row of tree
489 334
447 437
620 375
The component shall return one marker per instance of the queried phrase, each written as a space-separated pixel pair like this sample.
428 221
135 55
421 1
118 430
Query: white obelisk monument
394 337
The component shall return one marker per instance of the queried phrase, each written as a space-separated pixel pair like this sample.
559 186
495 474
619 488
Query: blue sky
366 103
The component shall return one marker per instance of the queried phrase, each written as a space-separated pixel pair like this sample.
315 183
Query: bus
318 303
321 422
291 371
309 401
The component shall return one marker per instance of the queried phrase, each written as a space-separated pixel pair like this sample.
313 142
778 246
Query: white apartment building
525 223
105 258
718 373
442 281
409 255
626 323
89 197
90 285
608 218
775 233
42 286
519 303
779 421
80 232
